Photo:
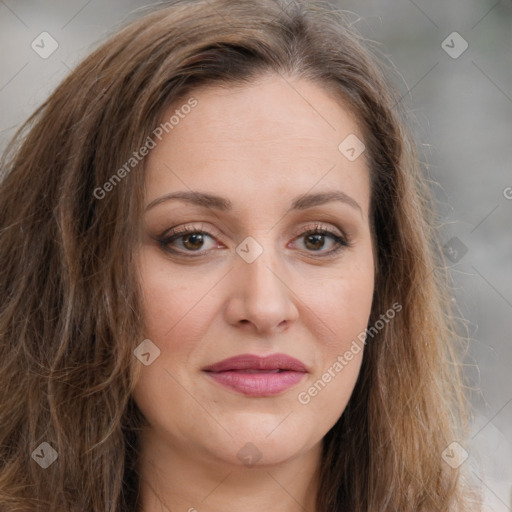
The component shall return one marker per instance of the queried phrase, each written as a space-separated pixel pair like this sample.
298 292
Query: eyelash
166 238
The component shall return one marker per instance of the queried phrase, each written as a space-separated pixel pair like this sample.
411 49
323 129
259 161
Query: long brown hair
70 298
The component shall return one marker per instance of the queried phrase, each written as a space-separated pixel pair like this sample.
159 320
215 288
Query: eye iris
317 241
193 241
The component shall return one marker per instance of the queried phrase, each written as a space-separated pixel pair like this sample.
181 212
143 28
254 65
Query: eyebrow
302 202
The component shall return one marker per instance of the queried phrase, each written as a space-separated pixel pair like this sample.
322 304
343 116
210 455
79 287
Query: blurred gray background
461 101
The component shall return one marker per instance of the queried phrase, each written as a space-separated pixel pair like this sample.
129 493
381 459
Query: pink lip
258 376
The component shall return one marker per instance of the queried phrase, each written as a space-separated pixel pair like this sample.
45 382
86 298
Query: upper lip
253 362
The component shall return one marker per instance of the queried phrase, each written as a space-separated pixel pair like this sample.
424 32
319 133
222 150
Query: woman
221 283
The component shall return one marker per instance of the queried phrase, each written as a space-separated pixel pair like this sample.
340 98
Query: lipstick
258 376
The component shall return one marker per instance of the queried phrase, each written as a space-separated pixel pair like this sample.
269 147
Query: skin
259 146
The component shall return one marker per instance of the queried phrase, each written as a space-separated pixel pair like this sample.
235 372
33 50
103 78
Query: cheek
327 394
343 308
177 310
342 301
174 303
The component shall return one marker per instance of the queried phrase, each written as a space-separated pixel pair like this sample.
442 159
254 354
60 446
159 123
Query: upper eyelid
318 226
189 228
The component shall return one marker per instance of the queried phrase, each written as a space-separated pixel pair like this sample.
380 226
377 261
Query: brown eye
187 240
193 242
321 241
315 242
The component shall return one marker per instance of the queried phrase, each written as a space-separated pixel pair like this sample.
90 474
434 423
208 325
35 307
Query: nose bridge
260 294
259 269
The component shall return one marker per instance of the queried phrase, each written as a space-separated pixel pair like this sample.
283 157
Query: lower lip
257 384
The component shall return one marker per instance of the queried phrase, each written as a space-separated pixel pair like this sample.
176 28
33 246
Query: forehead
279 136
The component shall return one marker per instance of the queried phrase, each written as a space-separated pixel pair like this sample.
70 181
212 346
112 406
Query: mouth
258 376
251 370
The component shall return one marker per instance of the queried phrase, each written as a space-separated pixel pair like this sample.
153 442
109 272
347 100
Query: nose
261 297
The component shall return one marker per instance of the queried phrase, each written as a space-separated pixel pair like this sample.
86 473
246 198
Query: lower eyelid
321 253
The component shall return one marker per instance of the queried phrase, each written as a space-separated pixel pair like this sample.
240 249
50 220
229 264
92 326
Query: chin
258 449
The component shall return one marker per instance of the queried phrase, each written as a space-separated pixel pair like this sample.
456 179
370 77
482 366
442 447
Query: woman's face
269 201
